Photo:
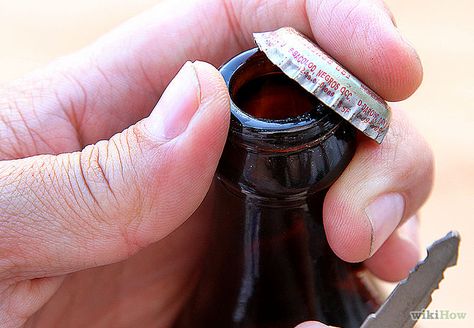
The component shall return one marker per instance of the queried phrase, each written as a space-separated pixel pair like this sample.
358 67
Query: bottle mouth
279 120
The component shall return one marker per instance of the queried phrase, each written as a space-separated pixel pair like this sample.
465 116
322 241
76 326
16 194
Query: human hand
73 222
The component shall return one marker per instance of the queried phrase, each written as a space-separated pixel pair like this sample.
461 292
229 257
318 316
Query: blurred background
32 33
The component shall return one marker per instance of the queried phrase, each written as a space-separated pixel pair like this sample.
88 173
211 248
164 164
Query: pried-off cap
304 62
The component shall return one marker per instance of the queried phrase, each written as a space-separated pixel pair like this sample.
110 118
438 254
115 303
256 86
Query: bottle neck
280 158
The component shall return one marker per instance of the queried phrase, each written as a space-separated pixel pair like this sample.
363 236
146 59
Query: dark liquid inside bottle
274 96
269 264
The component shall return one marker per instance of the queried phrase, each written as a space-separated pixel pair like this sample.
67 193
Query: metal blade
414 293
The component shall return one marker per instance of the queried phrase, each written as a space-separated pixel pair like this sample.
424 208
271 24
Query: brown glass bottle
269 264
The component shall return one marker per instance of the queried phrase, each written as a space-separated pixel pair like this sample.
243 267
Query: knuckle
114 182
412 156
405 157
108 166
94 171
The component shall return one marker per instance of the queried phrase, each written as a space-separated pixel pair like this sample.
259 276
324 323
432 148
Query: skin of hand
107 153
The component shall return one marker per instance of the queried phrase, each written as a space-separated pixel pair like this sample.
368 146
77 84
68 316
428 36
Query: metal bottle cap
318 73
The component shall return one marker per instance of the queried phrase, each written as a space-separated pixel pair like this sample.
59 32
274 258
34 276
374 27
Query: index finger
116 81
358 33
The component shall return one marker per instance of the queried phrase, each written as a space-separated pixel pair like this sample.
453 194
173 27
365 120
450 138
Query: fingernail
390 14
407 42
177 105
384 214
403 37
408 231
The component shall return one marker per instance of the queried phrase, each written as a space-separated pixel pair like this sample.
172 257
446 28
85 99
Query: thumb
65 213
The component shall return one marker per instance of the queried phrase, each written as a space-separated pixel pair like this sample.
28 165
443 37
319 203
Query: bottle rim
303 130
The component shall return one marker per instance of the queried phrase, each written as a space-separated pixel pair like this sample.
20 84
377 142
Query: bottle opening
262 90
274 96
270 109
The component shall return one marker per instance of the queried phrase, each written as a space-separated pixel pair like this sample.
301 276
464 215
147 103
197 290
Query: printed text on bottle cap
318 73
